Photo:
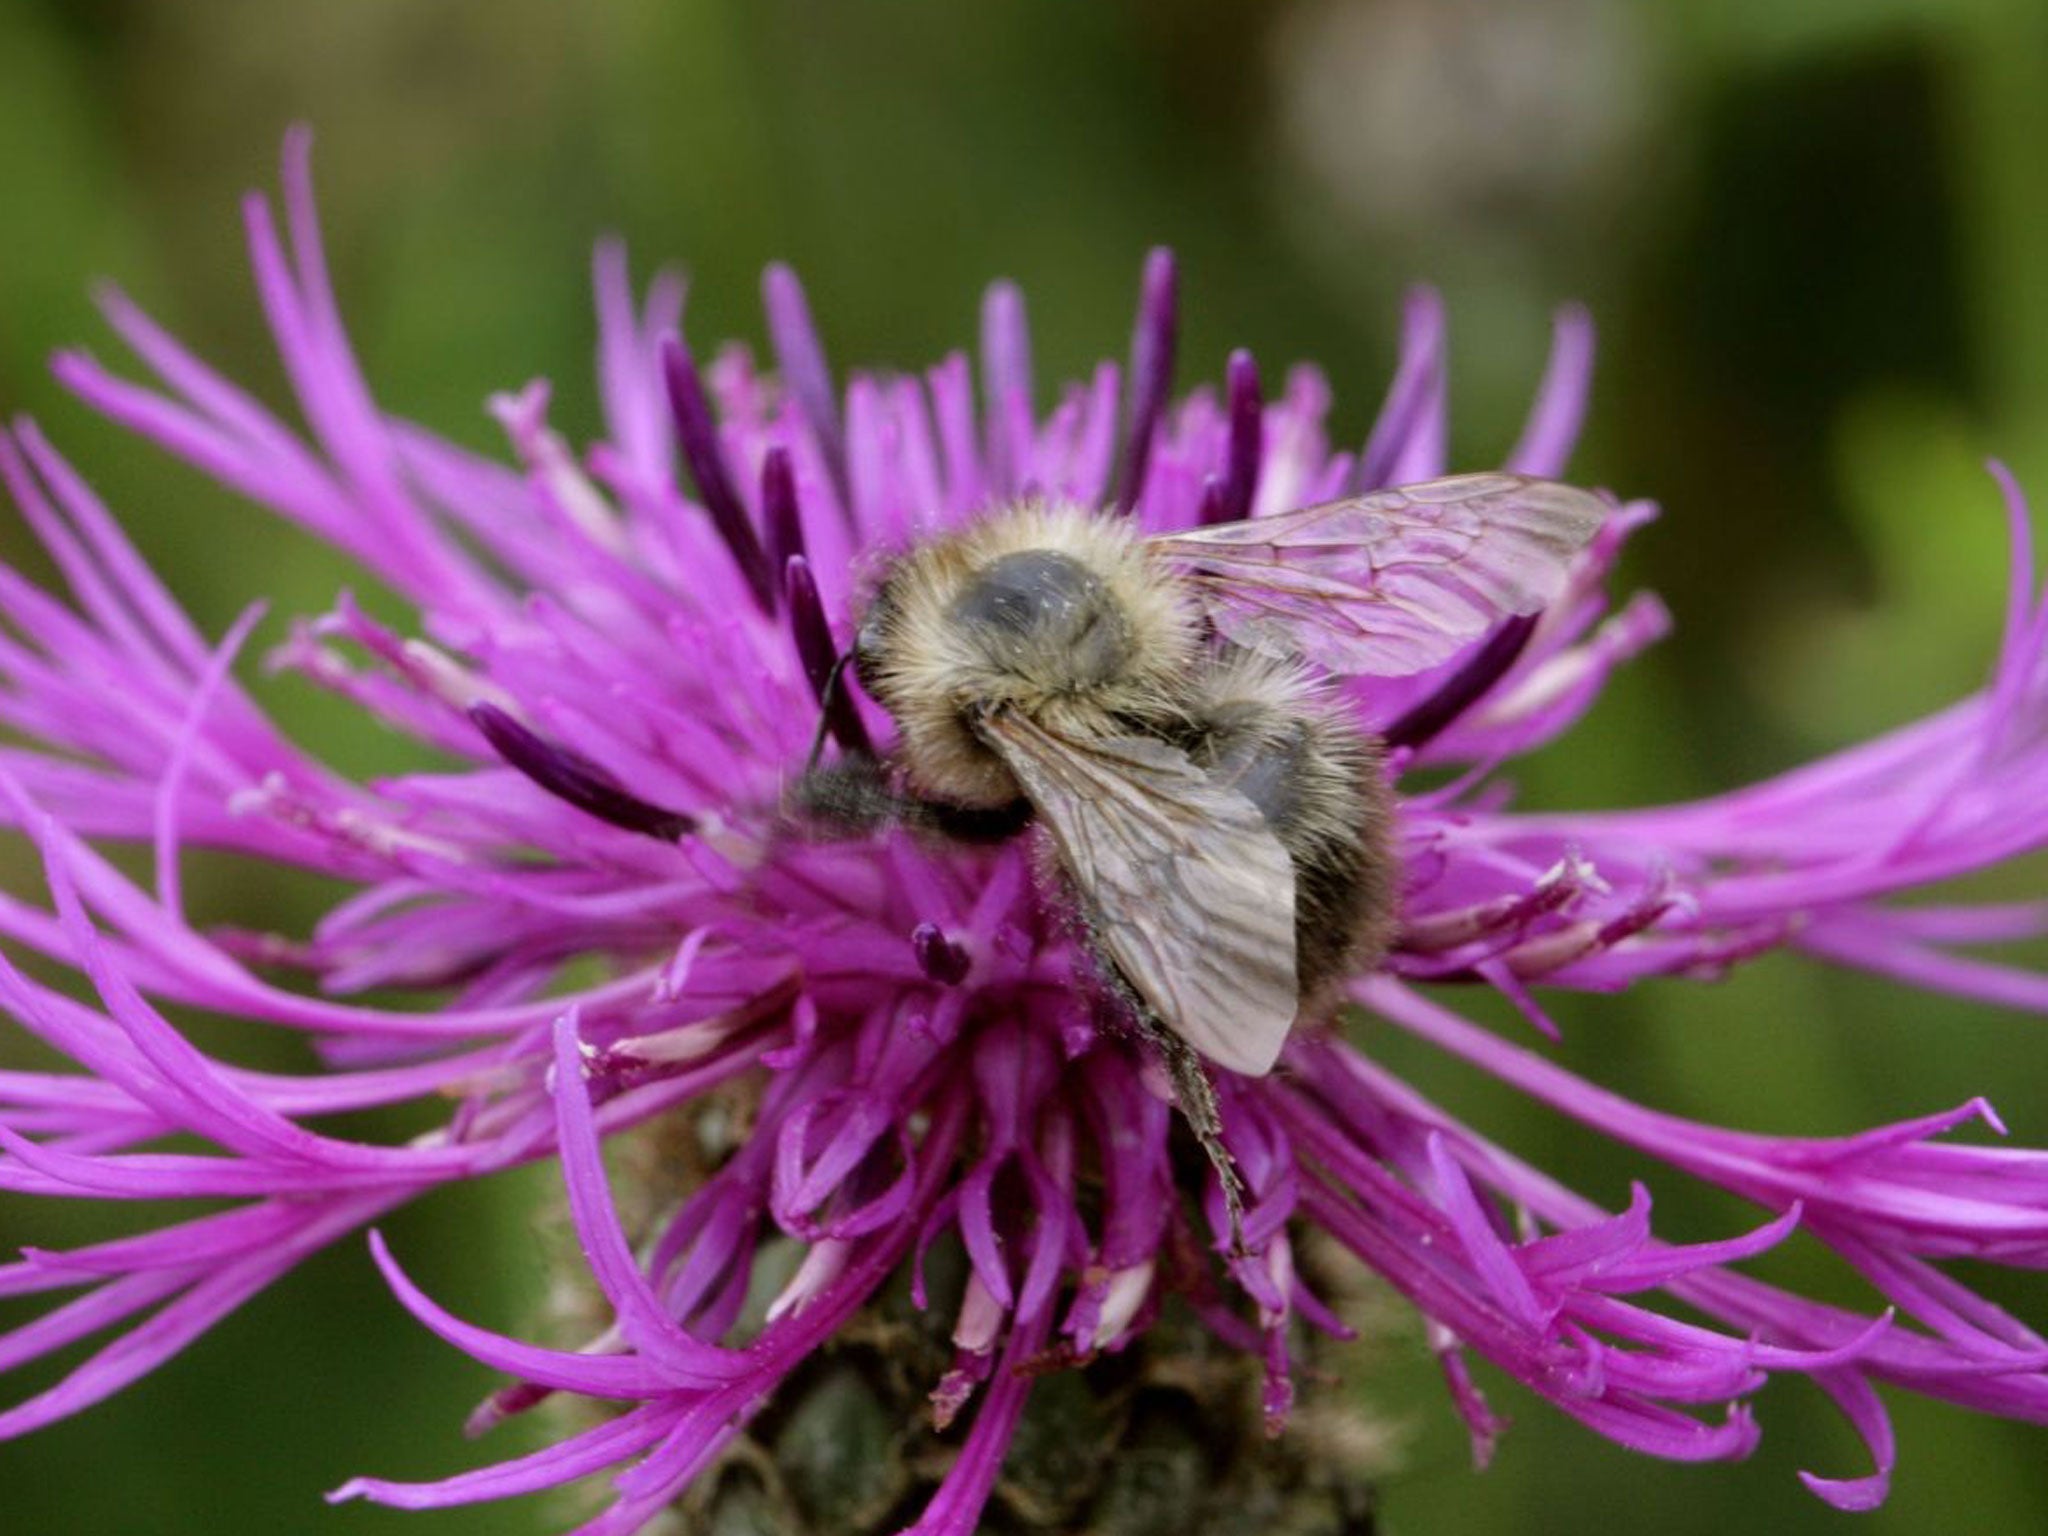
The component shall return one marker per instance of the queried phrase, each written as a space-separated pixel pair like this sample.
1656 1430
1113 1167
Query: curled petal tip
1989 1115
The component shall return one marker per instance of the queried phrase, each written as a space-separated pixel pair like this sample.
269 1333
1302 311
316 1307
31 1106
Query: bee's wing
1184 887
1392 582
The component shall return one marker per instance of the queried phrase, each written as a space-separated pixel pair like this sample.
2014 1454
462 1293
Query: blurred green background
1814 232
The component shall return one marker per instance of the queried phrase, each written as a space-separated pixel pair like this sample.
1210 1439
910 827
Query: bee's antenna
828 691
822 664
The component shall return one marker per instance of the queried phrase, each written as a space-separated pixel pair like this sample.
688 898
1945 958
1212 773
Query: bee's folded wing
1393 582
1183 886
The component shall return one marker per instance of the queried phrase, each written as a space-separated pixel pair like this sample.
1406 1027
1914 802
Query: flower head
618 662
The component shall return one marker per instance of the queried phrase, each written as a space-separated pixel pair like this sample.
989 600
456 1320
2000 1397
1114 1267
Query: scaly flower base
1167 1437
1164 1440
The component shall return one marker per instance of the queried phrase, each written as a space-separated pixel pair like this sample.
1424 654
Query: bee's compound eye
1027 593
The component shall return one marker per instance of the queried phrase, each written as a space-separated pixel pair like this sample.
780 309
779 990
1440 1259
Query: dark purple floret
1245 407
1422 721
942 959
697 436
1153 341
822 660
570 776
780 515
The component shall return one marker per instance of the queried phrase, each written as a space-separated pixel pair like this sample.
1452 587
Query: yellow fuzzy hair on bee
1051 611
1280 737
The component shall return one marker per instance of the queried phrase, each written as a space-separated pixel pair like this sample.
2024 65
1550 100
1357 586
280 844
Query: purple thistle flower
624 655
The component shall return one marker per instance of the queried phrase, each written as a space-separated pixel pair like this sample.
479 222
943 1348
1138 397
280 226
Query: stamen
780 516
1425 719
1241 465
805 373
1152 349
820 658
697 436
570 776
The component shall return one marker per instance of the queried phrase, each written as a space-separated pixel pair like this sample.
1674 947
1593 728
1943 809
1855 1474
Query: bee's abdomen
1319 783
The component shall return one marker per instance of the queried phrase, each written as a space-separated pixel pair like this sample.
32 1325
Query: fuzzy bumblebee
1222 822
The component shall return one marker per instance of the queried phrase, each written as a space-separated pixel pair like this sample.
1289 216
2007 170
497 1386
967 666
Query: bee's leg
1197 1095
855 796
977 824
830 707
851 798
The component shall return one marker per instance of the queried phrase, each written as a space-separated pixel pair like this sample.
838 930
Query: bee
1160 706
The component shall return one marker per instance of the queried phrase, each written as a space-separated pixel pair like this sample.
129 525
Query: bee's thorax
1054 613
